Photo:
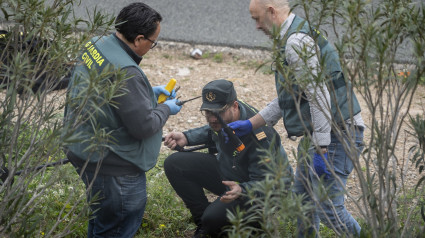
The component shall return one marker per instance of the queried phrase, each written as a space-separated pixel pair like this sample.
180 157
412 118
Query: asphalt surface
216 22
212 22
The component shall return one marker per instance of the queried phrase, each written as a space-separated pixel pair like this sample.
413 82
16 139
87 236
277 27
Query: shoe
200 233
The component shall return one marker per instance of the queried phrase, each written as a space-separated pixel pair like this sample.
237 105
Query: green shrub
165 214
39 201
218 57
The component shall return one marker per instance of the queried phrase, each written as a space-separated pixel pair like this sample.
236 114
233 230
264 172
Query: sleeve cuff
187 138
321 139
271 114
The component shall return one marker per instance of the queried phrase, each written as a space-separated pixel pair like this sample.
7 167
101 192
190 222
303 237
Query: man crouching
229 173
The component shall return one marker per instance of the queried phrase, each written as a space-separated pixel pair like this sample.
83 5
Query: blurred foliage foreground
41 42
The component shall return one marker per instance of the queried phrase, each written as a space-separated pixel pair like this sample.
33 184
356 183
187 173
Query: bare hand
234 193
175 138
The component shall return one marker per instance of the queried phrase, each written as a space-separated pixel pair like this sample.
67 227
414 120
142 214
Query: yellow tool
169 87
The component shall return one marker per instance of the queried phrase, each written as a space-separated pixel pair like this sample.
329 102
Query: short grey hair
280 4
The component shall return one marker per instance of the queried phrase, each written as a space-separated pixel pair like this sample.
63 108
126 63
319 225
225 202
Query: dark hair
137 19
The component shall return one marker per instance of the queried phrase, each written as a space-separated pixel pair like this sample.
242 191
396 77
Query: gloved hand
320 165
174 108
157 90
241 128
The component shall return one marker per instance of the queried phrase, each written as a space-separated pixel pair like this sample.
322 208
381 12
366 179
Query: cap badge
210 96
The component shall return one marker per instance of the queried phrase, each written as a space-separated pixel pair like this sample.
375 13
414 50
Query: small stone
183 72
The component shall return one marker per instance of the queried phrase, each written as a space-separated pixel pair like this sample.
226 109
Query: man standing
315 109
230 173
114 173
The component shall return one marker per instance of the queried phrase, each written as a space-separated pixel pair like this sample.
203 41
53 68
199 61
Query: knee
333 215
212 224
170 162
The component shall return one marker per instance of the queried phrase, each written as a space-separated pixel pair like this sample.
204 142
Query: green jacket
98 53
242 167
343 101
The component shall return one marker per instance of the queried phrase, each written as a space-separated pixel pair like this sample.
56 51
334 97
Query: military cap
217 94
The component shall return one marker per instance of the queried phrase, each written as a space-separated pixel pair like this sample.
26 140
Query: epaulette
260 134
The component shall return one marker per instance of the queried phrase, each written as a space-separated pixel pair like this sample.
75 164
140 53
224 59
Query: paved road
217 22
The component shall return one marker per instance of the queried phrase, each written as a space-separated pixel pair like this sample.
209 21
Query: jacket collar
286 24
129 51
242 111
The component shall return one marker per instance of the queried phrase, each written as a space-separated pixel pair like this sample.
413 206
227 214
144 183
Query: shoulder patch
261 135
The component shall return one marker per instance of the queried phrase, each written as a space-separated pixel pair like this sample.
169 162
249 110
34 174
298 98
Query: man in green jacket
230 173
114 172
317 103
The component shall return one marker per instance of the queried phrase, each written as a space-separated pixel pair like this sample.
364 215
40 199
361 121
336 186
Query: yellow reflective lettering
100 62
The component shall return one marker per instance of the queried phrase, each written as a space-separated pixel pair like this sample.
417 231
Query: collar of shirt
129 51
242 112
286 24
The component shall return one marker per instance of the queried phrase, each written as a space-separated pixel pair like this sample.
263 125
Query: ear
137 40
235 105
271 10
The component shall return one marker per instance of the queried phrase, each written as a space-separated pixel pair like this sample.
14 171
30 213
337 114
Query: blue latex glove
241 128
320 165
174 108
157 90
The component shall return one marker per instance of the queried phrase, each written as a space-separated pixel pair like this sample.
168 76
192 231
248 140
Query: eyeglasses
208 114
154 43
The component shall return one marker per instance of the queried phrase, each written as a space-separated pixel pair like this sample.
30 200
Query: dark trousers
189 173
118 204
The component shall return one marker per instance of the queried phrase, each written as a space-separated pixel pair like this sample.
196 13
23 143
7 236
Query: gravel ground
172 60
